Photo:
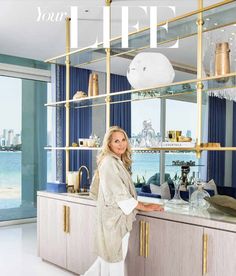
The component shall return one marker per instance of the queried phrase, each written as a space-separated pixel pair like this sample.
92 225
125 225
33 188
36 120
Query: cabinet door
80 239
221 252
134 262
175 249
51 236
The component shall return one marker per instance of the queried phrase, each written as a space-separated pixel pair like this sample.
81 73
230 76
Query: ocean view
10 169
10 179
144 165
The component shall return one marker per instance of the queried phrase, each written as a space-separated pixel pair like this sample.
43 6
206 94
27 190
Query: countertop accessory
223 203
56 187
177 200
198 198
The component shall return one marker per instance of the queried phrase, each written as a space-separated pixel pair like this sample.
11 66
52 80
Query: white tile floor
18 253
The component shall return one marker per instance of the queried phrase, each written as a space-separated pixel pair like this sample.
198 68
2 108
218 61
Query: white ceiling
22 35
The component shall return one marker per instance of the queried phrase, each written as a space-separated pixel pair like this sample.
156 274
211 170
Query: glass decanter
195 181
177 200
197 199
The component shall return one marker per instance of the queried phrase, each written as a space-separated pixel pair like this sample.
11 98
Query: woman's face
118 144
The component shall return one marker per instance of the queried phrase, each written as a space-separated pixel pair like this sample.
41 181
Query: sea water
146 165
10 177
10 169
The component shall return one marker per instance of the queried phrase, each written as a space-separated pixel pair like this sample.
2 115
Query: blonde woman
114 191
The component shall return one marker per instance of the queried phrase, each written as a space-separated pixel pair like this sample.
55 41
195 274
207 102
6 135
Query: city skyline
8 138
10 104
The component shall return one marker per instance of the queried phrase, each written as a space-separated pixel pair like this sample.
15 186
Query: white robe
112 224
103 268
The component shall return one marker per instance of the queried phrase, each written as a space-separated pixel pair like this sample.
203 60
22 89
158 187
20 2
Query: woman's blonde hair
126 157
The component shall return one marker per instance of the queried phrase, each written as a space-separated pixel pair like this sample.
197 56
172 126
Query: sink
81 194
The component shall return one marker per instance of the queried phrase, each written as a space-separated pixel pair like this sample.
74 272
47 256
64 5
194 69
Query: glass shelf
152 150
178 90
215 16
72 148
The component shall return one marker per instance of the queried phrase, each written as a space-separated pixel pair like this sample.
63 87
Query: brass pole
108 73
67 94
200 23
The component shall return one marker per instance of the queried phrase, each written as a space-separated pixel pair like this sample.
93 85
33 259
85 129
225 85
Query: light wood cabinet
175 249
80 240
65 235
221 252
167 248
51 236
134 261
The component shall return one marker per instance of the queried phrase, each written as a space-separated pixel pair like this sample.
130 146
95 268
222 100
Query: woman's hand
149 207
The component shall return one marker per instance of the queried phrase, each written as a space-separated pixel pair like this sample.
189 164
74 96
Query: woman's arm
149 207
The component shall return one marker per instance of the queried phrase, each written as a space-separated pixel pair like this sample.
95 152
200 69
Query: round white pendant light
150 70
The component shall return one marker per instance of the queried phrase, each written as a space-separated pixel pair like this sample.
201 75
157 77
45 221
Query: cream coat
115 184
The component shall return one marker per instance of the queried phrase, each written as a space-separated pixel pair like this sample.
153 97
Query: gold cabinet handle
67 219
141 238
147 230
64 218
205 245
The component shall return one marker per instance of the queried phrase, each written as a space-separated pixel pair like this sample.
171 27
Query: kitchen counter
209 218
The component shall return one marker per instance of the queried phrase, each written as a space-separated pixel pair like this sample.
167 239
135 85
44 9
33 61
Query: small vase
222 62
93 85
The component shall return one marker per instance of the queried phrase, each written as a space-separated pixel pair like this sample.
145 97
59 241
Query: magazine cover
117 137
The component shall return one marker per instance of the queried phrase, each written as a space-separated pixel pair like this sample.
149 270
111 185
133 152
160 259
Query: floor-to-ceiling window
10 142
23 135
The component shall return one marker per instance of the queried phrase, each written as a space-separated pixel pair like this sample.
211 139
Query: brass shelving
191 24
168 91
180 27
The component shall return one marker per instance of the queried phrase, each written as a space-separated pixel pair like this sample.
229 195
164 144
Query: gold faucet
80 175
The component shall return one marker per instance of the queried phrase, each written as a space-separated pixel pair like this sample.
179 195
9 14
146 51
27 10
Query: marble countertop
185 214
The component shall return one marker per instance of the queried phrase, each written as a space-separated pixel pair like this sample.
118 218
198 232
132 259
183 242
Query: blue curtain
234 145
80 120
216 133
121 112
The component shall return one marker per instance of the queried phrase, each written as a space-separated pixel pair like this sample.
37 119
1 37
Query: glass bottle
197 198
177 200
193 184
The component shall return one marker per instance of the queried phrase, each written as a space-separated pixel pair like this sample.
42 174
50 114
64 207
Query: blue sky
10 103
